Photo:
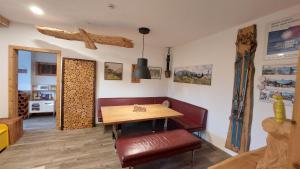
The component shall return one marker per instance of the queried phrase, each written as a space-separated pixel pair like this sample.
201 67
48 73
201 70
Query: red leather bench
194 118
136 150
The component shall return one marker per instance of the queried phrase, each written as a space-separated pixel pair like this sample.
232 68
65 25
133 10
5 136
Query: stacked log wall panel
78 93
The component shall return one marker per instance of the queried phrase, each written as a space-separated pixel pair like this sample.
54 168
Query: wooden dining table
114 115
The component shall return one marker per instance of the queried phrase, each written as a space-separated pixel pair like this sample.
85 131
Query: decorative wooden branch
88 38
4 22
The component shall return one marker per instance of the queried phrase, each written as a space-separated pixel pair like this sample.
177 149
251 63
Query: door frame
13 79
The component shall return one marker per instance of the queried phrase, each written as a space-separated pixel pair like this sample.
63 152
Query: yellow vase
279 109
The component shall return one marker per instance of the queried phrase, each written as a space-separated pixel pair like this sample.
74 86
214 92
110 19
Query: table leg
153 126
166 124
193 158
115 134
115 131
104 129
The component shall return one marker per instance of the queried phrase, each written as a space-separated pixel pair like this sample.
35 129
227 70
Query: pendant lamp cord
143 46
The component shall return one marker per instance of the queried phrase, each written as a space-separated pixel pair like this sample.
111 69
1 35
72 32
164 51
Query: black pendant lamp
142 70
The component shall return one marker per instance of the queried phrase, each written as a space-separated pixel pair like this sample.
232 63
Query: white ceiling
172 22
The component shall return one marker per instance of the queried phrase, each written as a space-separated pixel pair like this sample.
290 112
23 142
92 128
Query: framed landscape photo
198 74
113 71
155 72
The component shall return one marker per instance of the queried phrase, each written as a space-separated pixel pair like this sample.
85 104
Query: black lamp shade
142 70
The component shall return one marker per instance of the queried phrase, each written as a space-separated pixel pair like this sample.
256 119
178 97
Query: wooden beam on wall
4 22
88 38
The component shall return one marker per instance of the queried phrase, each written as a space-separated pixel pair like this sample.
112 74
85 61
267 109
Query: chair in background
166 103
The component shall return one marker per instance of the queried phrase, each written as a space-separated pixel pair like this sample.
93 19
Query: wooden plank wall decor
4 22
89 39
133 78
294 148
238 138
78 93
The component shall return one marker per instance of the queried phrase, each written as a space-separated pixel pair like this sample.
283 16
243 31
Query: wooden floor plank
88 149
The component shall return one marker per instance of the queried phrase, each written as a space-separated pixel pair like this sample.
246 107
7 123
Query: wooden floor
88 149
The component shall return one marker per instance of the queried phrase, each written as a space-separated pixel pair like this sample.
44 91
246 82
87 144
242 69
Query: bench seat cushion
184 123
139 149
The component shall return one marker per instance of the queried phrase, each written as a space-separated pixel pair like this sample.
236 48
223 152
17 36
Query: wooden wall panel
12 82
78 93
58 91
294 149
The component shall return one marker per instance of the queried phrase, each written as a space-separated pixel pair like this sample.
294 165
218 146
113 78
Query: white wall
42 57
219 50
24 79
26 35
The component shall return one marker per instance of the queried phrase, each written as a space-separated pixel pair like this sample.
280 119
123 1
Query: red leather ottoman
140 149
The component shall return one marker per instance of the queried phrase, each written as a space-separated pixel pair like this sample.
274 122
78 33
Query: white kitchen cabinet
41 106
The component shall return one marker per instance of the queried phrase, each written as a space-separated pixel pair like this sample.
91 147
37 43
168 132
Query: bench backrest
191 112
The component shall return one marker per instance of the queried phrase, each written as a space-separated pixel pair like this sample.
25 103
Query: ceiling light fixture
36 10
142 70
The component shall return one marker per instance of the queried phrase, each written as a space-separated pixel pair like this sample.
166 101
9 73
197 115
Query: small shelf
44 88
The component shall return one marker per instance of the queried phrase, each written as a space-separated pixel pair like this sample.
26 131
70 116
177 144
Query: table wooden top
124 114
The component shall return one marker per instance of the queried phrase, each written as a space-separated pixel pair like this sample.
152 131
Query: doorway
34 86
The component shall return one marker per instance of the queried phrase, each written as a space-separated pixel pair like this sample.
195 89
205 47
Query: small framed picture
155 72
113 71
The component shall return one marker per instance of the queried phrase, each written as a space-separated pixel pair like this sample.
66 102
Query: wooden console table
15 128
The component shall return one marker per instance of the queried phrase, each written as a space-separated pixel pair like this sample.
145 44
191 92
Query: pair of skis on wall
238 138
